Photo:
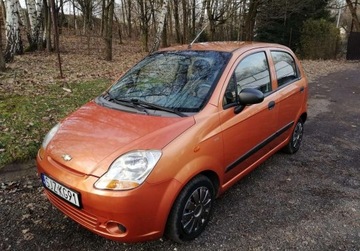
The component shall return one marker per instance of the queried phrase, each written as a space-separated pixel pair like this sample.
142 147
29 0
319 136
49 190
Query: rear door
291 89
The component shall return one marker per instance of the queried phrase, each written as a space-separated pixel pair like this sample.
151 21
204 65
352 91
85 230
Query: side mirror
248 96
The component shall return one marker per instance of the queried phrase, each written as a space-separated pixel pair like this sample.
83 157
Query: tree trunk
193 19
14 44
119 28
3 11
202 14
242 22
185 22
2 60
109 16
129 18
210 14
35 15
144 23
47 34
355 18
164 36
75 20
169 22
124 14
160 15
56 34
62 17
87 10
102 18
177 22
250 18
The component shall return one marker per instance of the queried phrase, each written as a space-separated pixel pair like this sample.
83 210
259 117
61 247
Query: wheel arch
207 172
303 116
169 230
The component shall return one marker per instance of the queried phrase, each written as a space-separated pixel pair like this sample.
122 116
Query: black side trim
258 147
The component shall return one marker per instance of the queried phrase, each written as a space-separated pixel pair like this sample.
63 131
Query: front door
246 135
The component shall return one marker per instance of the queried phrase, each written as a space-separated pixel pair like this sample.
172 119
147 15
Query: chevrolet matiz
149 156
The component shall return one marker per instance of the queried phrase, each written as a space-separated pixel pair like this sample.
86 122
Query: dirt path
307 201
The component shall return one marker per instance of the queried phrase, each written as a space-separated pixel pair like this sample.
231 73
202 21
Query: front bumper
127 216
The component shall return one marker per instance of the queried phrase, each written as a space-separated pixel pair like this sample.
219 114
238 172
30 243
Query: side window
251 72
285 67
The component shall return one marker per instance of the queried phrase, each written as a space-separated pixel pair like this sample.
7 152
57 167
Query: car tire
192 210
296 137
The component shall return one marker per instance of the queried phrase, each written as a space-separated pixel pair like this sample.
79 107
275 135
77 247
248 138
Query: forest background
56 55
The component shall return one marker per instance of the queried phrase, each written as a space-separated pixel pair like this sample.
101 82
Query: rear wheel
296 137
191 211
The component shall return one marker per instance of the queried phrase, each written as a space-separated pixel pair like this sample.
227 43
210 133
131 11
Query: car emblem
66 157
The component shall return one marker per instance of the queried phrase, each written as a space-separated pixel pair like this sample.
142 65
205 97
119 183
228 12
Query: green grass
25 119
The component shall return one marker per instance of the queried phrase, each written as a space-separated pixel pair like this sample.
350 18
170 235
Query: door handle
271 105
302 88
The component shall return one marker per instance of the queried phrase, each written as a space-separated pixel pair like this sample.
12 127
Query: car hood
91 138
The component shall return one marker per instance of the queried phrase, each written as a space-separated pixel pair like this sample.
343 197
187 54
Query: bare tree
160 17
129 10
2 60
108 22
14 44
87 8
250 17
185 34
47 19
35 14
352 8
218 12
56 34
144 16
177 21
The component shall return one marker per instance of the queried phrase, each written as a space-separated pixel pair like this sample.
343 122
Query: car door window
286 70
251 72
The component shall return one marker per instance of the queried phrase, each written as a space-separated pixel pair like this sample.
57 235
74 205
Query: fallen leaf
25 216
28 236
24 231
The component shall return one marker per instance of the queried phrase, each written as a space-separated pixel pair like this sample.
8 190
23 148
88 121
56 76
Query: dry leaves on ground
30 73
318 68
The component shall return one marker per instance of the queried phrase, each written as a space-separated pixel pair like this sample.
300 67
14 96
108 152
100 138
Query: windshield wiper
140 105
157 107
125 102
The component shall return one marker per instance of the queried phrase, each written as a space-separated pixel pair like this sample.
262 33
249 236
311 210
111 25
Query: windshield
180 80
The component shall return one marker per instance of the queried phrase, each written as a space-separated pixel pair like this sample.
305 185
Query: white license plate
61 190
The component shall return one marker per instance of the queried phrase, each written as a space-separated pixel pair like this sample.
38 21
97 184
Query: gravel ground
306 201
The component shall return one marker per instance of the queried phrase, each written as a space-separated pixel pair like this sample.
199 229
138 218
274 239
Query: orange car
149 156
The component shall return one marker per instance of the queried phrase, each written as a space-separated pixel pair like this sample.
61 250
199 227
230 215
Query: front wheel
191 210
296 137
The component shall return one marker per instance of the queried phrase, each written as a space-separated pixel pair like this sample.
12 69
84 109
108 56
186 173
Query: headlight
49 136
47 139
129 170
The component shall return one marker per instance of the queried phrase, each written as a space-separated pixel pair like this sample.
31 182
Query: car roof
229 46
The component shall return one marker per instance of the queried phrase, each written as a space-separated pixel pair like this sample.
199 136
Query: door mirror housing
248 96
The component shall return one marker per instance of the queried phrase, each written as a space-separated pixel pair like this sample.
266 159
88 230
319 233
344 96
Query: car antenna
198 35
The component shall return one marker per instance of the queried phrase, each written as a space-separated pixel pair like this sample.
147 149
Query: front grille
77 215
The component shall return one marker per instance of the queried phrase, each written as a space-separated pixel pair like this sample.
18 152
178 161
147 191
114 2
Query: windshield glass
178 80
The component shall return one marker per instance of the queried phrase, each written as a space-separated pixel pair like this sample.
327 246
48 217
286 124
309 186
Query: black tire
191 211
296 137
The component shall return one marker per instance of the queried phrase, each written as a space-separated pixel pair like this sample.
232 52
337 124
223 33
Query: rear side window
286 70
